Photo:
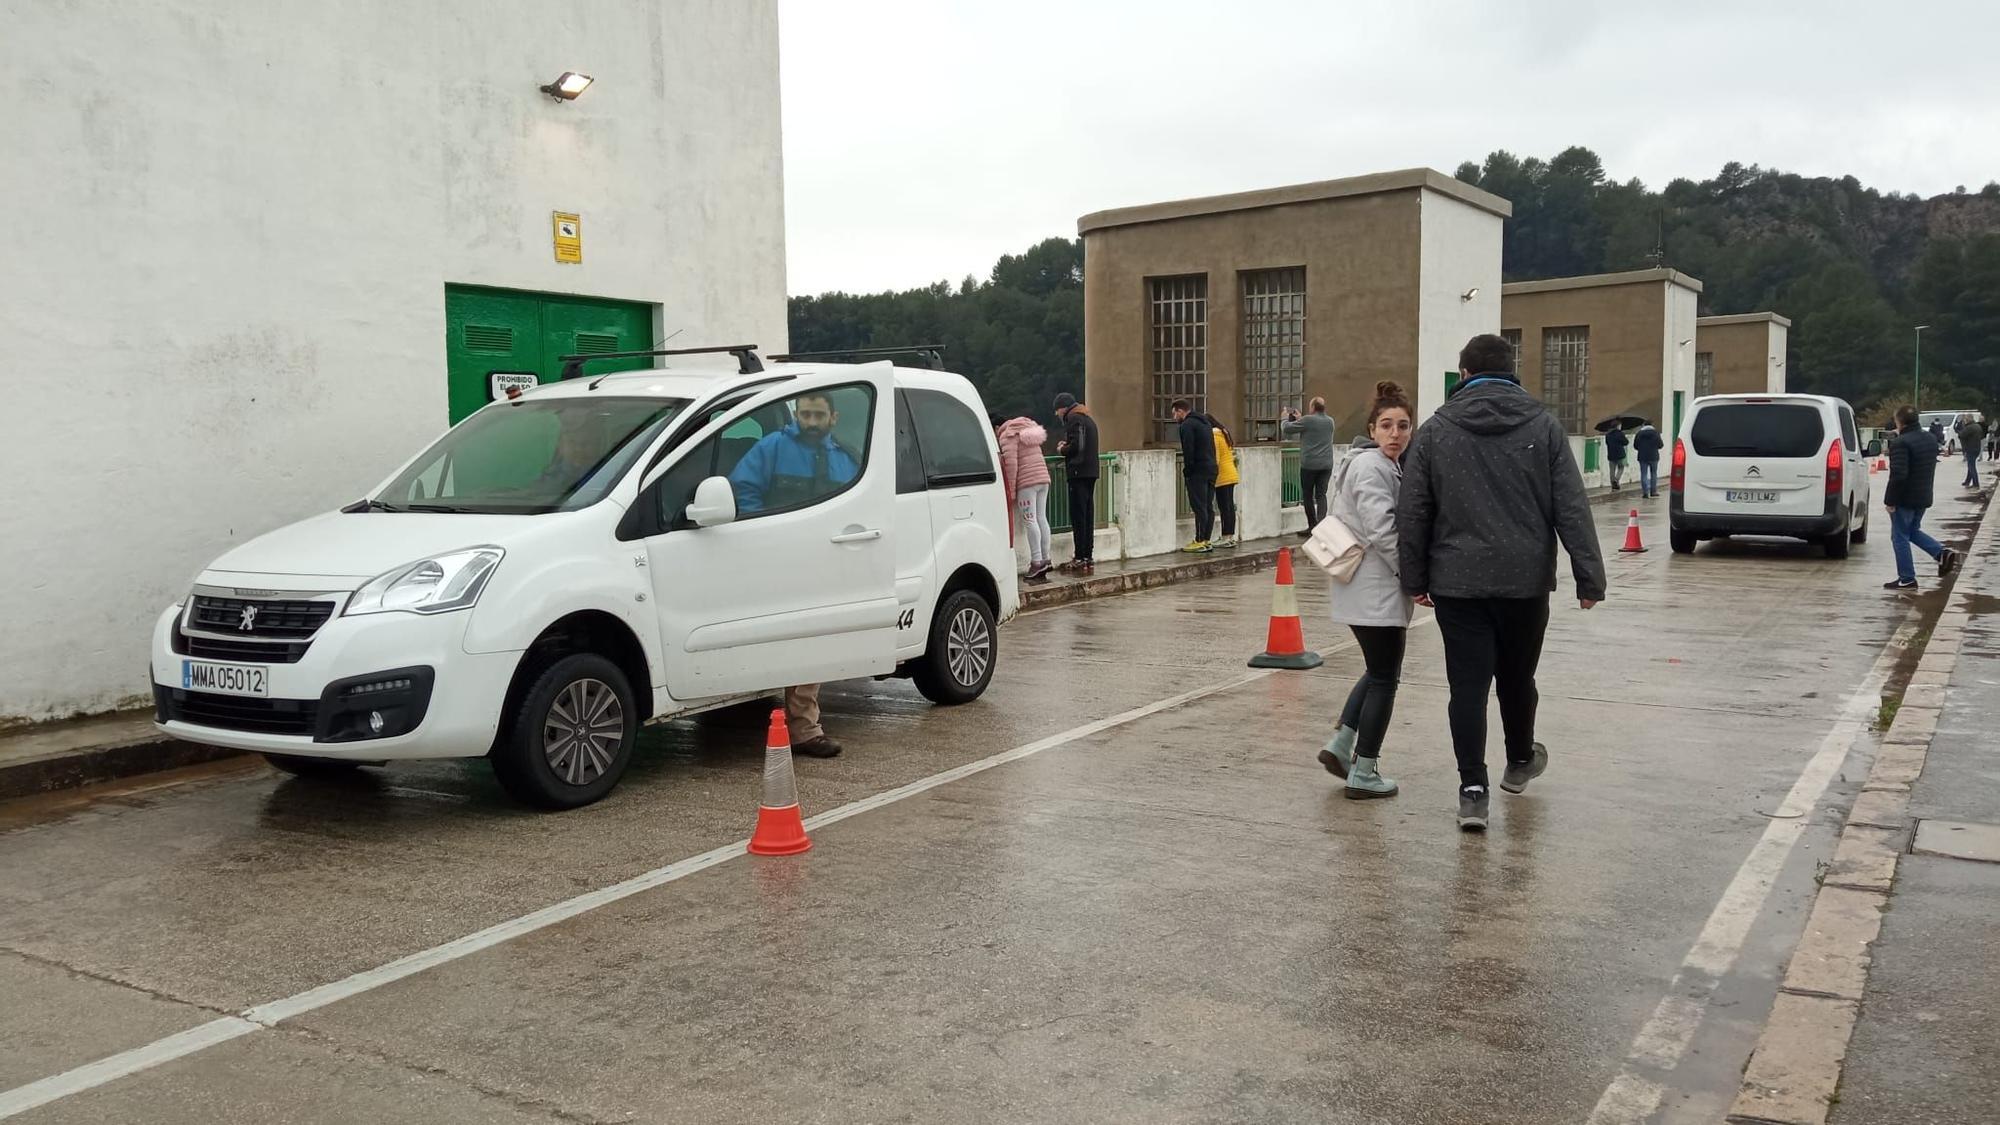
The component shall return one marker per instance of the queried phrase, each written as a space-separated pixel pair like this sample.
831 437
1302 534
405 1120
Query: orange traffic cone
1632 544
780 829
1285 645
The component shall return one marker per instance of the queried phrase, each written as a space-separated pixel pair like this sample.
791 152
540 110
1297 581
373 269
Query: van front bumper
407 673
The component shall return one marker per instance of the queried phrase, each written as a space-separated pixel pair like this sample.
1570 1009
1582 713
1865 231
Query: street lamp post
1917 371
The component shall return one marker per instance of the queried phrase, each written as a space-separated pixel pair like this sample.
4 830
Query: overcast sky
924 138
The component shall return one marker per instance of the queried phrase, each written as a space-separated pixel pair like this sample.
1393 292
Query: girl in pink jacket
1026 474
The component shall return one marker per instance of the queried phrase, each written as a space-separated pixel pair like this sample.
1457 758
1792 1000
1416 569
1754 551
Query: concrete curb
1793 1076
109 761
1110 585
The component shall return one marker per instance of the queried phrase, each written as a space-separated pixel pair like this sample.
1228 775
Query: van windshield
531 456
1758 429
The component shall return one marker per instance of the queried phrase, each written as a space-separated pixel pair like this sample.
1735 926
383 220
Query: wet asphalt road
1173 918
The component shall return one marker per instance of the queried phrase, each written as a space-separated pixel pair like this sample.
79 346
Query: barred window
1274 347
1180 347
1513 338
1704 373
1566 375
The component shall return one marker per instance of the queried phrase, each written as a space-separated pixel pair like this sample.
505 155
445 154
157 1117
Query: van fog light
375 723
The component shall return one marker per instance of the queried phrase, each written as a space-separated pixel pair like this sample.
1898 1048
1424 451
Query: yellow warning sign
569 237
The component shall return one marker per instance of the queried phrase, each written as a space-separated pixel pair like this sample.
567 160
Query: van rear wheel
964 648
1681 541
570 738
1836 544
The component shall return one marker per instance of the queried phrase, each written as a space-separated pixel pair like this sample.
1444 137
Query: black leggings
1225 506
1373 699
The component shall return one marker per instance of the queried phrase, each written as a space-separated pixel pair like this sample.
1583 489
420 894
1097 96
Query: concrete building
1742 354
1614 343
263 253
1253 303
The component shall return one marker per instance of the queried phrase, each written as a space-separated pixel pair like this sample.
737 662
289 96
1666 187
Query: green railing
1107 496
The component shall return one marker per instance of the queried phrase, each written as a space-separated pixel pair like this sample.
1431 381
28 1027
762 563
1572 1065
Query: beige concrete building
1614 343
1742 354
1251 304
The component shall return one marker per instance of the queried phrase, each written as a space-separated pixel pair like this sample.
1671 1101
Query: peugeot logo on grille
1755 471
249 619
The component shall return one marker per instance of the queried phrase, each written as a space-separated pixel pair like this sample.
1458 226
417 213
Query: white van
1787 465
568 563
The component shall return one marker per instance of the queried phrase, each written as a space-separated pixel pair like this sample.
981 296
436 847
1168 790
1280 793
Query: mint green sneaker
1338 755
1364 783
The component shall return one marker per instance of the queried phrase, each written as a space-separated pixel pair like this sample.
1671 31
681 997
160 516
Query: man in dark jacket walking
1198 470
1970 436
1080 467
1913 459
1614 451
1489 485
1646 446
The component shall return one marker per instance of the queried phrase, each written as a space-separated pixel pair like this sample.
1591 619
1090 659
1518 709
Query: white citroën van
602 551
1789 465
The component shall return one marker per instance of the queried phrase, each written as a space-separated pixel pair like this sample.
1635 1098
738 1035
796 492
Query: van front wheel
570 738
964 648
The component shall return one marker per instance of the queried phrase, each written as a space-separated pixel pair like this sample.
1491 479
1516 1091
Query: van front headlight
438 584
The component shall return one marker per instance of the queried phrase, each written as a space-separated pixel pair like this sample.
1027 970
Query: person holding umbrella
1614 450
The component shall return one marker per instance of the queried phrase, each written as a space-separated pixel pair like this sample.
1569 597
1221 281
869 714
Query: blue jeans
1904 530
1649 477
1971 467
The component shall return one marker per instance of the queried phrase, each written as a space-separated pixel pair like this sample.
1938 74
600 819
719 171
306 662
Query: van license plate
1735 497
224 679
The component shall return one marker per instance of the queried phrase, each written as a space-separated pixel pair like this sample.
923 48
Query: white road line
24 1098
1634 1096
21 1099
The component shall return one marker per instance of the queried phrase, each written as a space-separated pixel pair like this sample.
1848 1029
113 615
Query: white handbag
1332 546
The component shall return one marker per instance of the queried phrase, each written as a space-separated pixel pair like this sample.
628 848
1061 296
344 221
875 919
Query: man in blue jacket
798 464
791 468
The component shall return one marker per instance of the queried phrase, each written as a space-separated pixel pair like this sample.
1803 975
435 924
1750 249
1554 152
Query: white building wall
1678 348
1460 252
1780 340
224 286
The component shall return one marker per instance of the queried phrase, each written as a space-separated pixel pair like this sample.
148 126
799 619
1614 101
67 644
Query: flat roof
1428 179
1595 280
1742 318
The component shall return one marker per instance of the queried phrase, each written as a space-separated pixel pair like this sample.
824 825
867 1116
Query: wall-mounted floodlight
567 87
1469 294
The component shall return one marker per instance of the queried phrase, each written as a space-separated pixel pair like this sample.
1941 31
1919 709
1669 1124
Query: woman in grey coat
1373 604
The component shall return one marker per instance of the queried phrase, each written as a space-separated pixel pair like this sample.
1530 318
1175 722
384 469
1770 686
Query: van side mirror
714 503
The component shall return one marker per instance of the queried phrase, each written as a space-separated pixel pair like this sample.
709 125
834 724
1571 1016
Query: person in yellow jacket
1226 480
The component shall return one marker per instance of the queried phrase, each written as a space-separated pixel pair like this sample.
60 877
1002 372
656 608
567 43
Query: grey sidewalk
1923 1049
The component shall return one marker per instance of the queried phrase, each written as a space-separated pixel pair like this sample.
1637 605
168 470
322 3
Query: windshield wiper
449 508
372 505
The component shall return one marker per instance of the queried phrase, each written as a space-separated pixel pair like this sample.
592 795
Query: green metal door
488 331
1679 397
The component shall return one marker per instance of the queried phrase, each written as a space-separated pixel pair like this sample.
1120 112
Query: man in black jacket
1489 485
1198 470
1080 467
1913 459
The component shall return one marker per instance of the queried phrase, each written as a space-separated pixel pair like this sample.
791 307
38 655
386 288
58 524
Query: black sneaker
821 747
1519 774
1472 808
1899 584
1947 562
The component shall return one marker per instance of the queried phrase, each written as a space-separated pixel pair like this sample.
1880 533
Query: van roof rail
747 362
932 355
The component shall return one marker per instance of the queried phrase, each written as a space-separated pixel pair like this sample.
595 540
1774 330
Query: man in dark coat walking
1489 486
1913 462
